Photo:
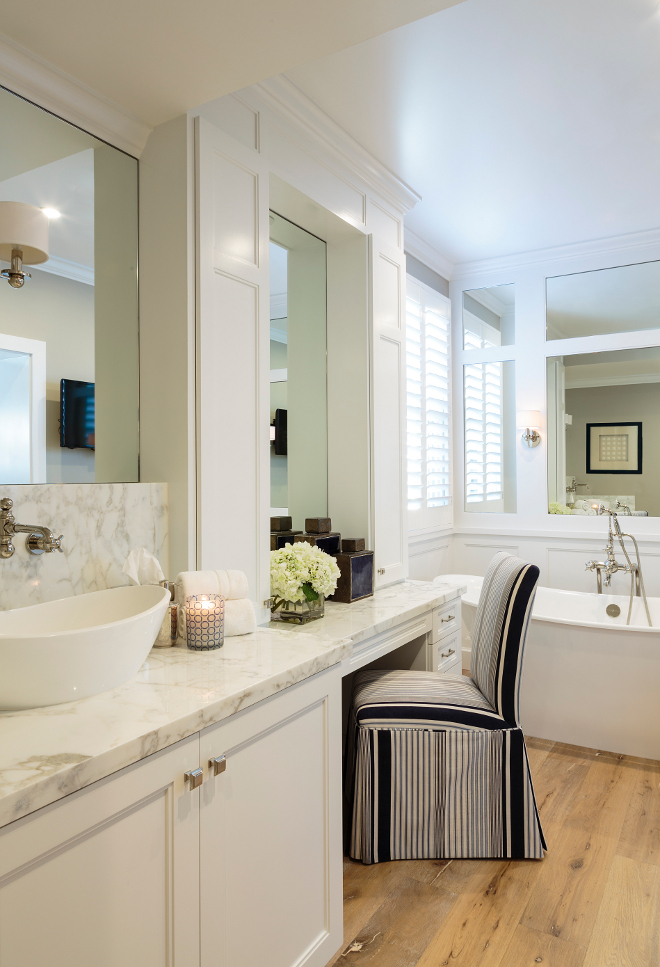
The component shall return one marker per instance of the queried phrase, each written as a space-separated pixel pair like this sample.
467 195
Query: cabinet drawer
446 619
446 654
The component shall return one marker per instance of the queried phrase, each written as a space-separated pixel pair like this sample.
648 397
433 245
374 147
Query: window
483 432
490 437
428 406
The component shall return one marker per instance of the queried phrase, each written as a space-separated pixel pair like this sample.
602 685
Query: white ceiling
161 58
522 124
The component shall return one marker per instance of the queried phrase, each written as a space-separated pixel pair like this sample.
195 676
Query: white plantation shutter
428 400
483 432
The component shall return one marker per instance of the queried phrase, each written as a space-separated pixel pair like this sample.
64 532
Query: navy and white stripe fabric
439 762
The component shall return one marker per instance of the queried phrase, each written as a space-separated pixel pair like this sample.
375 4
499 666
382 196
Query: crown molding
424 252
27 75
289 102
616 246
612 380
488 301
278 335
67 269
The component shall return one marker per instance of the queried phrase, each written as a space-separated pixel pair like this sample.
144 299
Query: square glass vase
298 612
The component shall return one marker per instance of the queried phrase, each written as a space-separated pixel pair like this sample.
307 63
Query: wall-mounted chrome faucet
40 539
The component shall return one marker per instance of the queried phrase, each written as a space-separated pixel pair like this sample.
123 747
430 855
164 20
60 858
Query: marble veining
48 753
101 523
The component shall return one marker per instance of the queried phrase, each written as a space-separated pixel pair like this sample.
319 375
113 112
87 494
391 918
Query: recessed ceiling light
51 212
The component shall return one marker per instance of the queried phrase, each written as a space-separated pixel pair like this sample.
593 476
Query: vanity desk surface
48 753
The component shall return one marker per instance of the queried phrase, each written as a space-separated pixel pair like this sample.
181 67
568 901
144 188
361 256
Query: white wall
60 312
559 545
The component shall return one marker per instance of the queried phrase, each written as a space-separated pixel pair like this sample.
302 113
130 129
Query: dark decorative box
318 525
279 538
350 545
357 576
281 523
327 542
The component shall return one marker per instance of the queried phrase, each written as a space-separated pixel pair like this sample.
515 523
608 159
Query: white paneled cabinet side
140 870
388 372
233 358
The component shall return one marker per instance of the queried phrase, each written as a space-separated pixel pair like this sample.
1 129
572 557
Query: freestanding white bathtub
588 679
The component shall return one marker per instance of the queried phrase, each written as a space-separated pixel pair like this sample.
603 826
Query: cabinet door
387 276
108 876
233 359
271 847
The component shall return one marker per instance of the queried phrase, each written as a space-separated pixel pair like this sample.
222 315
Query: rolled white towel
240 618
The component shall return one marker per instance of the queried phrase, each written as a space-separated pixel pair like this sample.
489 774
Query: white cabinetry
388 365
109 876
139 870
271 862
445 649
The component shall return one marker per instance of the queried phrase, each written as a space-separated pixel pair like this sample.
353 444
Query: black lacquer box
327 542
279 538
357 576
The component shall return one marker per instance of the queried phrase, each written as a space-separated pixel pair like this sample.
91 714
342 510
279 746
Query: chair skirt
450 793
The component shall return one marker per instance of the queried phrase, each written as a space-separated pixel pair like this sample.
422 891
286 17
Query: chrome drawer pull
218 764
446 654
195 777
450 617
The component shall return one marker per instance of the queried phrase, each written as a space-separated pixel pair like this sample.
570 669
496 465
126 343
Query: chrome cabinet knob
195 777
218 764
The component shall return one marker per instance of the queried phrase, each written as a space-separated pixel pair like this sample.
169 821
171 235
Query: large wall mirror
604 432
298 373
622 299
489 317
69 334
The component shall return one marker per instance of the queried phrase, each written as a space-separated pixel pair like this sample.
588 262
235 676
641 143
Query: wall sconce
23 239
531 421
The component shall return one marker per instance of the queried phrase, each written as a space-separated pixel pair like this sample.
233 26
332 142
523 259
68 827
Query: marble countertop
48 753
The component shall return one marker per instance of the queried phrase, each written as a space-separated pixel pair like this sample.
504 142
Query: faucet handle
56 544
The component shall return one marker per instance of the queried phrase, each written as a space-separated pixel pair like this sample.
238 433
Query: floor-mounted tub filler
588 678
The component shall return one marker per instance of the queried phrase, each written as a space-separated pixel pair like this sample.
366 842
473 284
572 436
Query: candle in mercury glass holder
205 621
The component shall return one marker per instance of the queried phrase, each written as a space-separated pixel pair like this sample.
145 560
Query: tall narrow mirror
490 437
298 373
603 432
69 334
489 317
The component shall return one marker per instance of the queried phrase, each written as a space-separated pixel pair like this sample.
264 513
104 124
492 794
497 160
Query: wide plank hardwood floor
594 901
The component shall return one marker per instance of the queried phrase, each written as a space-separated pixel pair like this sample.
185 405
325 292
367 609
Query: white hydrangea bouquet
301 575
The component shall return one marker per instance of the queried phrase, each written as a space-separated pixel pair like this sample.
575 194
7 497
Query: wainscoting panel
473 557
429 558
566 568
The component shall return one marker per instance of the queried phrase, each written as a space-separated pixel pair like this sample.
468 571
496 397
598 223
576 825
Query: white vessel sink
75 647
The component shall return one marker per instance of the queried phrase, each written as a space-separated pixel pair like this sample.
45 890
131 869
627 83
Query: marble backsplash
101 523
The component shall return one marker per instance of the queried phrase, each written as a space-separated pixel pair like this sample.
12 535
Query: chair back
500 628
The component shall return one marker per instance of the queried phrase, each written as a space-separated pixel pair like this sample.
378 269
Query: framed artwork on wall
614 447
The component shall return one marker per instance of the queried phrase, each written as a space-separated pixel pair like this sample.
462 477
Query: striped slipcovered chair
439 762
